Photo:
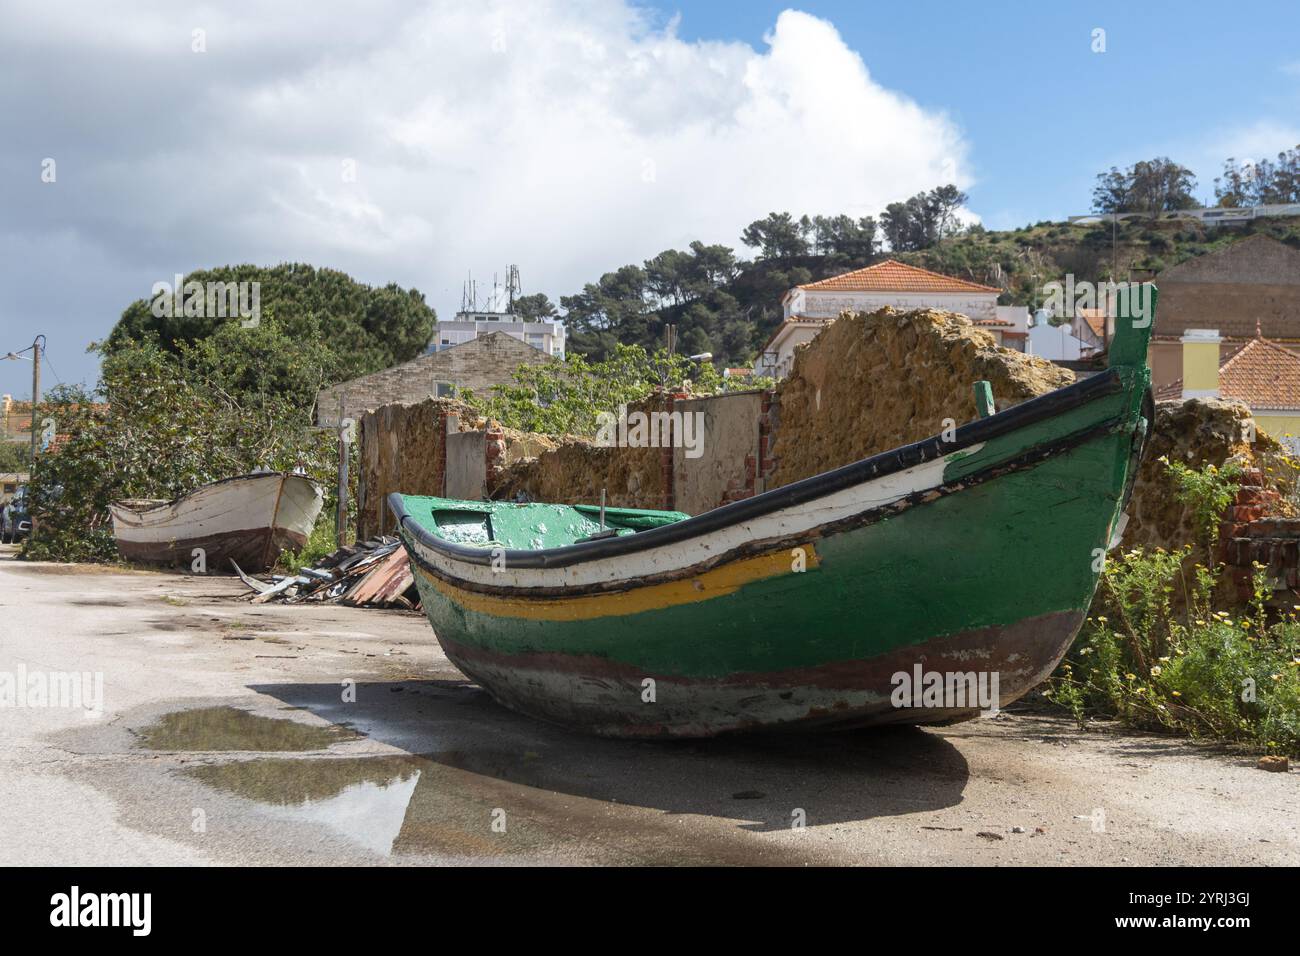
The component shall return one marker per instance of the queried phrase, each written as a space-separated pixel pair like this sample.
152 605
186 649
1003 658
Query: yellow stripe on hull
714 583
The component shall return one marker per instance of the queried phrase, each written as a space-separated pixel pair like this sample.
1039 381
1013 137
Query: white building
548 337
810 308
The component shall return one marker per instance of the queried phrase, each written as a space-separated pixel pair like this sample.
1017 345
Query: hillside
730 306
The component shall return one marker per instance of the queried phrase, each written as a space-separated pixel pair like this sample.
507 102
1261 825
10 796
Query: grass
321 542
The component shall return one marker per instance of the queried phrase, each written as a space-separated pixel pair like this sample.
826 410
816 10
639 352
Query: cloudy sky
415 142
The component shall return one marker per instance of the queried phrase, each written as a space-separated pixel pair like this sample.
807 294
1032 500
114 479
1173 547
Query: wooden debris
372 573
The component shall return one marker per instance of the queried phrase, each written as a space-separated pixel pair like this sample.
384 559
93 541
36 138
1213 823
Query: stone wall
575 471
869 383
726 428
1197 432
1259 525
476 365
403 448
1257 278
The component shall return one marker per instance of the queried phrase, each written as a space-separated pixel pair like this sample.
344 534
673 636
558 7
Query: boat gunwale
885 463
868 516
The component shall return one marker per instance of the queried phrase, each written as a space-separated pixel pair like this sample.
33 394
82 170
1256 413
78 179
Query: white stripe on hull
792 520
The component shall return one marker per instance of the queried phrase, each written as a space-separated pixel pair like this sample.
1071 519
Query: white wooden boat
250 519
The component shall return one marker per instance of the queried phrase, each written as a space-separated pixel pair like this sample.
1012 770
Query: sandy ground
227 736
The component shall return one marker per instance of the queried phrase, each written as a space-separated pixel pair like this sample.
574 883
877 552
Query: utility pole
341 515
36 391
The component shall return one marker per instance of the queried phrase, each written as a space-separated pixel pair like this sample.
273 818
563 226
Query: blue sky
1042 113
570 137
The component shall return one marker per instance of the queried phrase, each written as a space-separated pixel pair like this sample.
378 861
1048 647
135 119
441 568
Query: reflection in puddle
364 800
434 806
230 728
385 804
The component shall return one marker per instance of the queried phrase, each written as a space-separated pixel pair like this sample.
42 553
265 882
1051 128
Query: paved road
225 737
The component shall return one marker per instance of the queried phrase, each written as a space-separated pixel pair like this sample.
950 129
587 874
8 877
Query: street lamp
38 344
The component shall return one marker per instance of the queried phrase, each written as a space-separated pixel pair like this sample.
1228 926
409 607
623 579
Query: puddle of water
433 806
389 805
230 728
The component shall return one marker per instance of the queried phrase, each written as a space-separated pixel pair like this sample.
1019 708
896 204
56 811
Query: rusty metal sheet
384 584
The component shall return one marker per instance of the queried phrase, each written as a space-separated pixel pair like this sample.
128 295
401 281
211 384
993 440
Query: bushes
565 398
1157 654
1159 657
165 425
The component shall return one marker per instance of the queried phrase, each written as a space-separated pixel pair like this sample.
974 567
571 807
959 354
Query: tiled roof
894 276
995 324
1096 319
1261 373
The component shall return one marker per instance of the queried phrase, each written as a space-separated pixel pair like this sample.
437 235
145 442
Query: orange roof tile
1261 373
894 276
1096 319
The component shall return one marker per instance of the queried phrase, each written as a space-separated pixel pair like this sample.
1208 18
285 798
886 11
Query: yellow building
1260 373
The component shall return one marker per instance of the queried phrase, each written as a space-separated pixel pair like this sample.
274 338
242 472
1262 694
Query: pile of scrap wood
373 573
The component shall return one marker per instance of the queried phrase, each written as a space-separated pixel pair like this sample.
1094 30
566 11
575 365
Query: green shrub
1161 658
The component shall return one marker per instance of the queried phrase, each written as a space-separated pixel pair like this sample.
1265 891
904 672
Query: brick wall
1254 533
1257 278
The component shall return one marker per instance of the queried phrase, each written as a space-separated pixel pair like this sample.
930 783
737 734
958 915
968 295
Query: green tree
1261 183
778 236
535 308
368 328
1150 186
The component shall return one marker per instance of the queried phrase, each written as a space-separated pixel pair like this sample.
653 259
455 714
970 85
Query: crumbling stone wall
873 382
403 448
576 469
1197 432
476 365
1258 527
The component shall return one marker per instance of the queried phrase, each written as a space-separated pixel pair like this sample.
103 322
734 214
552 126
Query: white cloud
570 138
1249 142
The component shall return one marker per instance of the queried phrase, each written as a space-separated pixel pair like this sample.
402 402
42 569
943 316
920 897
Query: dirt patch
49 567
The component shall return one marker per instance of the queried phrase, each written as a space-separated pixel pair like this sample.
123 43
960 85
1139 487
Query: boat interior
529 526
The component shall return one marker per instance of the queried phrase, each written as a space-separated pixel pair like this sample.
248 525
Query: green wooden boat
954 566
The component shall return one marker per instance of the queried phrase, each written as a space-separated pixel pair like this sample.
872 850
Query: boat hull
927 584
609 699
250 519
962 570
